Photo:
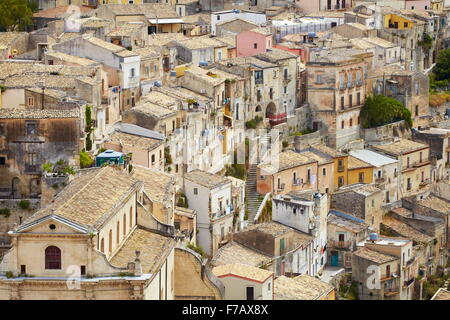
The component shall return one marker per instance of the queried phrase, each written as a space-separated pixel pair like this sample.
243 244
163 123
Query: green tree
85 160
379 110
15 14
442 68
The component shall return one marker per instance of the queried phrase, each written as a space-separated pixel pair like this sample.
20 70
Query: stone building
336 92
28 139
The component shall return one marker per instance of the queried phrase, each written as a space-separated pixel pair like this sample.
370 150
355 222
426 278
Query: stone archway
271 110
258 108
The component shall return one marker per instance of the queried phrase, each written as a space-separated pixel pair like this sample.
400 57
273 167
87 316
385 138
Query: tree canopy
442 68
380 110
15 15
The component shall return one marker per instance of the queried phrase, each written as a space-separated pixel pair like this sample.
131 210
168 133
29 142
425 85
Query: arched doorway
258 108
15 188
271 110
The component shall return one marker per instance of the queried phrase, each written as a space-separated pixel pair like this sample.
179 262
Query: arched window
52 258
110 241
118 232
102 245
124 225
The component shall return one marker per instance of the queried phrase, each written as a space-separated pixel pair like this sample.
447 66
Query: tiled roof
351 224
72 59
161 99
143 143
127 29
374 256
229 41
289 159
274 55
405 230
436 203
206 179
91 197
301 239
118 50
150 10
242 270
266 31
59 12
152 110
203 75
317 157
234 252
201 43
328 151
13 113
441 294
400 147
272 228
303 287
148 51
355 163
154 248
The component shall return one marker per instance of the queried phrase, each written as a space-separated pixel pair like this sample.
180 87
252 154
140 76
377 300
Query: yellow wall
330 296
338 174
353 175
400 20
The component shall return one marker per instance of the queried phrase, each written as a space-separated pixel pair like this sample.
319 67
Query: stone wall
304 141
387 132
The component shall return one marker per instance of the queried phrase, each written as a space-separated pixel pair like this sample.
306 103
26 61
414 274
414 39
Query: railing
340 244
407 283
359 83
277 119
421 163
350 84
261 207
259 81
341 169
380 180
32 168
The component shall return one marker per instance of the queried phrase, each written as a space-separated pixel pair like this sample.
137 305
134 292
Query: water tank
373 236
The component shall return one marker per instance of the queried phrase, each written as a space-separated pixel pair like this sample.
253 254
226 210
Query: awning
165 21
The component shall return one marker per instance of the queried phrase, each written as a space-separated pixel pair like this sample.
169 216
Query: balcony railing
32 168
380 180
277 118
359 83
341 244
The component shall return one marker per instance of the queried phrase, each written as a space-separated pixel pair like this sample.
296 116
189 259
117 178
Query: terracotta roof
234 252
60 12
143 143
349 223
317 157
327 150
13 113
355 163
441 294
206 179
154 249
374 256
303 287
127 29
91 197
405 230
272 228
400 147
150 10
288 159
152 110
436 203
242 270
72 59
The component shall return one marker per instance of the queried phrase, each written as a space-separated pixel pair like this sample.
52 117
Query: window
268 286
340 181
23 269
255 46
405 24
350 101
30 101
340 165
342 124
361 177
407 162
31 128
342 103
2 160
341 237
324 171
351 122
153 159
102 245
319 78
284 90
281 245
110 241
31 159
285 74
358 98
52 258
373 203
388 271
218 17
83 270
132 72
2 129
417 110
195 191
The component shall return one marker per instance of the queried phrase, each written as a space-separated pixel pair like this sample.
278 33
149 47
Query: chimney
137 264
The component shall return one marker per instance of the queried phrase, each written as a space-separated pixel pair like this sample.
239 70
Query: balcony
259 81
380 180
341 244
421 163
277 119
32 168
424 183
359 83
341 169
390 293
342 86
350 84
287 79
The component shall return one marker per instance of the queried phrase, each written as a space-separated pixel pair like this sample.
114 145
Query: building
210 196
244 282
30 138
293 172
359 171
362 201
305 212
336 92
344 232
414 162
385 173
391 265
254 41
258 18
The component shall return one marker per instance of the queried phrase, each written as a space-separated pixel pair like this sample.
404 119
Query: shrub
167 156
5 212
85 160
285 144
197 249
182 201
9 274
379 110
55 186
24 204
236 170
47 167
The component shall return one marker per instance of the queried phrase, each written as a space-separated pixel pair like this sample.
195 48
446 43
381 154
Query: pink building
417 4
250 43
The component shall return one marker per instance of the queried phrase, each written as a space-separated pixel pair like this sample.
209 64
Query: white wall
236 288
258 18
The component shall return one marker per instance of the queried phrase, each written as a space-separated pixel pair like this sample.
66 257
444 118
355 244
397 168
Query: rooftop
234 252
316 157
206 179
150 10
13 113
328 151
153 110
242 270
336 55
374 256
303 287
59 12
127 139
400 147
373 158
289 159
152 246
205 75
355 163
72 59
436 203
127 29
272 228
441 294
405 230
360 188
346 221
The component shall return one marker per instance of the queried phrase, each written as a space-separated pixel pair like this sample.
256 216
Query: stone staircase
253 198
